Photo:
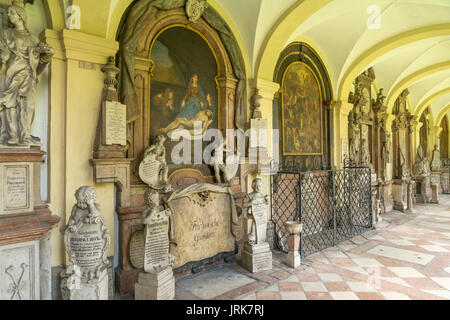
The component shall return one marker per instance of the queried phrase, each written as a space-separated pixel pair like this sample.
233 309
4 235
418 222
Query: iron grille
333 205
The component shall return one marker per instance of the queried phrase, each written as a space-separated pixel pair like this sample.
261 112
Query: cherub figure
151 198
157 152
85 205
231 165
249 200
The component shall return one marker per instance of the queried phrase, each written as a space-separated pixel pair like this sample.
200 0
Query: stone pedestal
400 192
156 286
256 258
76 287
25 222
423 189
385 196
293 257
435 193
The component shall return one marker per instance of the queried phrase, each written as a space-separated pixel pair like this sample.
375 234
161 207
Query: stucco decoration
195 8
22 59
135 23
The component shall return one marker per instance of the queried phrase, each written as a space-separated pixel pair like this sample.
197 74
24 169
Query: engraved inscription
137 249
258 133
16 184
87 244
115 115
157 242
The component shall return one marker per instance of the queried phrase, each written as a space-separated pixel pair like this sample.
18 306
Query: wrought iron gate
333 205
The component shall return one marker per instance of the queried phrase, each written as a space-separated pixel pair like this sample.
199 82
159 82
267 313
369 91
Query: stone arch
305 54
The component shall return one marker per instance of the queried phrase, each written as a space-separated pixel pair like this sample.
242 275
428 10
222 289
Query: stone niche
204 227
203 235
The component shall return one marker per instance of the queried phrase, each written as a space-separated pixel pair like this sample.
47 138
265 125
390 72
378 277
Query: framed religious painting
183 88
301 111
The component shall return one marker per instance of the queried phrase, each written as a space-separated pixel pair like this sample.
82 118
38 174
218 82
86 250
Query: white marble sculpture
86 240
22 59
153 169
421 164
229 168
256 235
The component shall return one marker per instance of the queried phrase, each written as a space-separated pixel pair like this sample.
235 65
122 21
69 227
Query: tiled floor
406 257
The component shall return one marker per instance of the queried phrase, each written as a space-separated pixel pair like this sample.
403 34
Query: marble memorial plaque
16 195
259 213
114 123
157 242
19 271
86 243
258 133
202 227
137 249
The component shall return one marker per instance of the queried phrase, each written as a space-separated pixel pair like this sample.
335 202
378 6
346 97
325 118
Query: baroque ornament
195 8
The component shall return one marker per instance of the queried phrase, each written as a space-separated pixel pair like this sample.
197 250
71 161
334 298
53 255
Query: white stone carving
195 8
153 169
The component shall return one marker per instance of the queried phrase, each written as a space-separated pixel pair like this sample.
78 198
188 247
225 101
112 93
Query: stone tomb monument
256 255
157 282
86 240
422 177
153 168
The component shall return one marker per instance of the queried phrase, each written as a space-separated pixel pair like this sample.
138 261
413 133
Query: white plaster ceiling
254 19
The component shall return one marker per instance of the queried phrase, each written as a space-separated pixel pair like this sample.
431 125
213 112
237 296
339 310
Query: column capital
80 46
266 89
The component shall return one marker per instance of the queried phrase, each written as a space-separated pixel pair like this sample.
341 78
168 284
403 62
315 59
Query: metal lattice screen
333 205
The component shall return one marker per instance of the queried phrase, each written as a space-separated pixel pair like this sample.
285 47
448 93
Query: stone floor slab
402 254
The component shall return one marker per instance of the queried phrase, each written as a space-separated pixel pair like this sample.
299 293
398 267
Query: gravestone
86 240
256 255
157 282
153 169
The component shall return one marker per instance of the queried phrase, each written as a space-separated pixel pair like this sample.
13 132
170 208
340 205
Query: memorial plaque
259 213
16 193
258 133
149 171
87 242
137 249
156 256
114 123
203 223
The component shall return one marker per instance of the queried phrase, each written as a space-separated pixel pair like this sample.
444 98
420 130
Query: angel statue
22 59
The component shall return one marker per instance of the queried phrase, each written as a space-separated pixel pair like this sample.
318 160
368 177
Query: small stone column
293 257
256 255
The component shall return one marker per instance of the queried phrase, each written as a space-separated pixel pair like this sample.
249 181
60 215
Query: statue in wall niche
381 98
22 59
436 159
230 167
421 164
256 198
153 169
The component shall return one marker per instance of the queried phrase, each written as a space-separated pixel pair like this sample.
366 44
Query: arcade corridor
406 257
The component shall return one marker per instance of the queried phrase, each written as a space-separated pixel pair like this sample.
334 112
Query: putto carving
22 59
230 167
195 8
153 169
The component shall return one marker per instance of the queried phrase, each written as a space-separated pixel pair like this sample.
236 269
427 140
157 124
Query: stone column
341 110
45 267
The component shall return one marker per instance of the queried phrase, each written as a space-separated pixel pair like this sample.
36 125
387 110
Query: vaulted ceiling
407 42
408 45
